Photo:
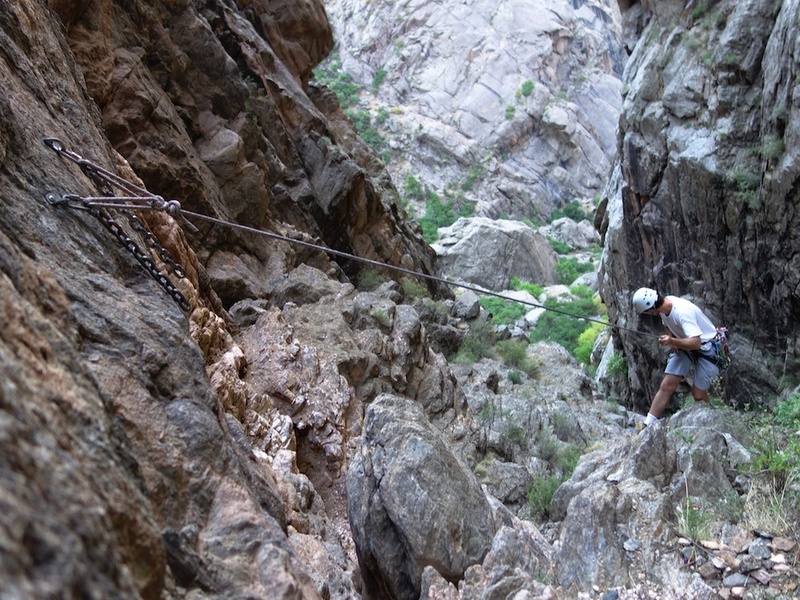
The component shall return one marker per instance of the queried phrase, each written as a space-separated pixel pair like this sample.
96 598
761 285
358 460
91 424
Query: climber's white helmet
644 299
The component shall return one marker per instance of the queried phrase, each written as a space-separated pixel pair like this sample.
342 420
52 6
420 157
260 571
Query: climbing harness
722 349
139 199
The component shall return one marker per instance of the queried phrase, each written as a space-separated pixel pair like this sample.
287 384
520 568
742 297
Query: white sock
649 420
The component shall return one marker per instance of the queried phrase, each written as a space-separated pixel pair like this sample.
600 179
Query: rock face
139 460
703 199
205 450
412 503
519 97
489 253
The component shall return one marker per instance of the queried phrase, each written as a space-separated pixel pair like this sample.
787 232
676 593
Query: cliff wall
702 200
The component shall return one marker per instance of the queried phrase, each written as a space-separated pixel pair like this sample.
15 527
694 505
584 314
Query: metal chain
141 200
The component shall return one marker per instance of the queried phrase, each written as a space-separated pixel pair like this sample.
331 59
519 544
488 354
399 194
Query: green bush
567 460
369 279
414 289
380 75
586 341
478 343
540 495
534 289
559 247
475 173
572 210
618 366
412 188
437 214
787 412
568 269
564 329
776 453
504 312
527 87
514 354
330 73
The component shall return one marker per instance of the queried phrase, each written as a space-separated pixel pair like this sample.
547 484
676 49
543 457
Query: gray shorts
705 370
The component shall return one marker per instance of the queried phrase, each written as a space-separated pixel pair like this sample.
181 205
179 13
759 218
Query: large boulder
412 503
489 253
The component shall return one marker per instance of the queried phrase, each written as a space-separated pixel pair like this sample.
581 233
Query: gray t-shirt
685 320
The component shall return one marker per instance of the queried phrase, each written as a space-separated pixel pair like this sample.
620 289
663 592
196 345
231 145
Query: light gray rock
453 80
687 203
575 235
412 503
489 253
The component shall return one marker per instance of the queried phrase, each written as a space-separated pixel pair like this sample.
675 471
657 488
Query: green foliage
540 495
414 289
437 214
515 377
509 112
514 354
381 317
699 10
776 452
382 116
527 87
362 119
330 73
773 147
567 460
489 412
559 247
572 210
504 312
693 522
563 427
564 329
586 341
547 446
412 188
747 186
380 75
787 412
369 279
534 289
475 173
478 343
618 366
568 269
515 434
466 209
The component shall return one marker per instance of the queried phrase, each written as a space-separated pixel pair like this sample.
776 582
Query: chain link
141 200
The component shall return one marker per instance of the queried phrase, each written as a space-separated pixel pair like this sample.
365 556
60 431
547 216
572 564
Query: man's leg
661 400
699 395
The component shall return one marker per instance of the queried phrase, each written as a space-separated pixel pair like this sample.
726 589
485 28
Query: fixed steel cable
478 290
140 198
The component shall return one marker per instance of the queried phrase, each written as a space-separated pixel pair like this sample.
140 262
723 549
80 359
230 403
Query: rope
376 263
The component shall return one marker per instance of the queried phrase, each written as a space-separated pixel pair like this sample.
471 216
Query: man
690 334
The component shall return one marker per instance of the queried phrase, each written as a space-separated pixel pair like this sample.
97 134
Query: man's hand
692 343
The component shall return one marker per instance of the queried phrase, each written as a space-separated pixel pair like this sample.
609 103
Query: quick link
140 199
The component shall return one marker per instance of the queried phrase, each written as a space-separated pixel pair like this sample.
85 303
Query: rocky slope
511 106
287 430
